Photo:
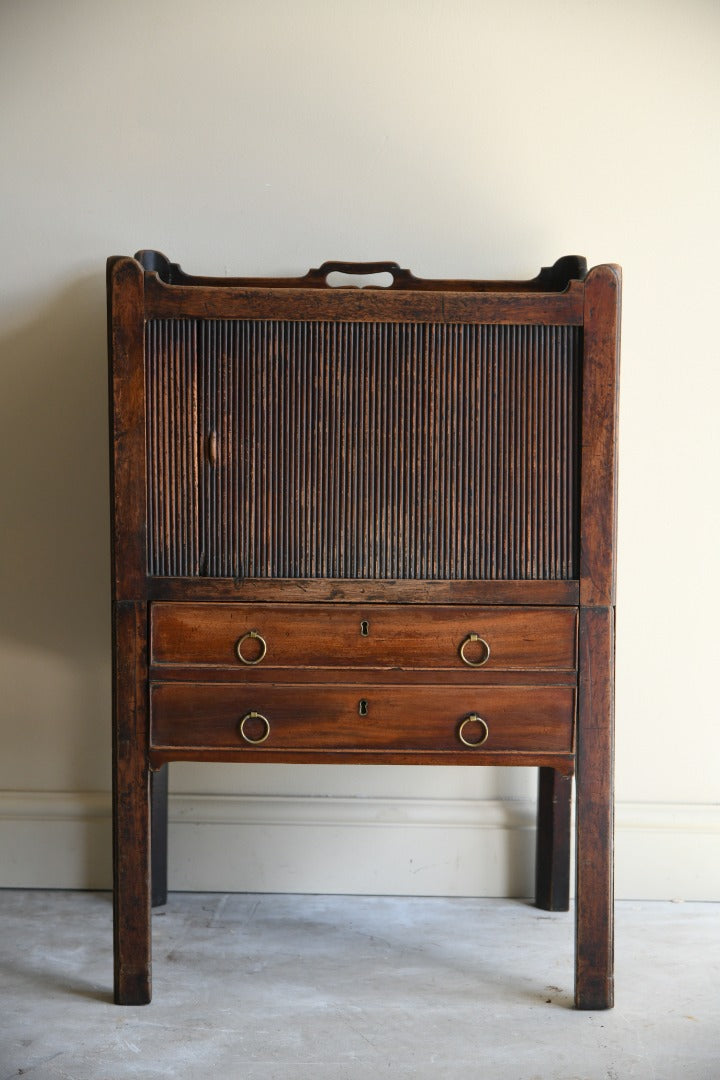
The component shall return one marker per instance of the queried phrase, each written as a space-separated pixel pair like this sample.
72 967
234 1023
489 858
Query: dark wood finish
378 305
131 807
435 452
563 762
278 590
159 835
552 859
346 635
598 491
328 718
594 812
596 678
127 428
434 458
368 676
131 784
555 278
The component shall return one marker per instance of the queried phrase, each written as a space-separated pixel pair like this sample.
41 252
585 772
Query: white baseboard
351 845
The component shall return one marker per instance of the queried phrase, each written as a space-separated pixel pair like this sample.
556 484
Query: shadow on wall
54 475
55 609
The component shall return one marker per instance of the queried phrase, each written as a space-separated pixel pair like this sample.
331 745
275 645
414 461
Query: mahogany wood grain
552 858
348 636
131 807
131 790
598 490
159 835
563 762
434 458
377 305
347 590
435 452
127 427
555 278
384 717
594 978
361 676
594 946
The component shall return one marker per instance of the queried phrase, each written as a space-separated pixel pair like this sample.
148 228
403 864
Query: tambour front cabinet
365 525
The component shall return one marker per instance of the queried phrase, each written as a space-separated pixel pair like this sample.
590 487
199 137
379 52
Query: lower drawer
392 718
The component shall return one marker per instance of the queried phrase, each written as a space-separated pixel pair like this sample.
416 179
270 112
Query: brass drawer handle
486 651
254 716
263 647
473 718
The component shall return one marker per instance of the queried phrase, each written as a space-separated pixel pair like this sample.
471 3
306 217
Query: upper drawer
401 636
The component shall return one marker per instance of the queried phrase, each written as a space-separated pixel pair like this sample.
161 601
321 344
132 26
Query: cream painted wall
461 139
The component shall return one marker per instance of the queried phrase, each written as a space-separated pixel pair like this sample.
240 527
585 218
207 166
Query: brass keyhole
364 628
362 707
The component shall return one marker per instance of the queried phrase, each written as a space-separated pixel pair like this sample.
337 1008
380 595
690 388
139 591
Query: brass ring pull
263 647
254 716
486 654
473 718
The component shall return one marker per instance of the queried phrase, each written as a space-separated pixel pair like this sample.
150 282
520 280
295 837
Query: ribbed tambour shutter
362 450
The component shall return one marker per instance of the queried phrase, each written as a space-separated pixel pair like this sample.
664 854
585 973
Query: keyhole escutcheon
364 628
362 707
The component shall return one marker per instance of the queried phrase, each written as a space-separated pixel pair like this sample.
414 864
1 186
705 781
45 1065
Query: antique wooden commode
365 525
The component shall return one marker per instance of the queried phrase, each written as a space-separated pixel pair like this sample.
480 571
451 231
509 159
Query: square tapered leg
131 811
552 859
594 812
159 835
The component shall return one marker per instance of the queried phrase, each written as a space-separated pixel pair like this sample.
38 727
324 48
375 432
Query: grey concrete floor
347 988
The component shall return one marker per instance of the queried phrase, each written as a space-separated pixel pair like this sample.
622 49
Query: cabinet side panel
601 367
127 427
